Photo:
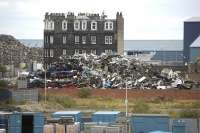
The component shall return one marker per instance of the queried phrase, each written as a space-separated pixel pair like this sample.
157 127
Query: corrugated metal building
26 122
195 50
191 32
75 114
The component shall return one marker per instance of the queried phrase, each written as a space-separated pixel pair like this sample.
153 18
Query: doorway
27 123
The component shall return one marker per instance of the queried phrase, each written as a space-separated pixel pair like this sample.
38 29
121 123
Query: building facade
69 34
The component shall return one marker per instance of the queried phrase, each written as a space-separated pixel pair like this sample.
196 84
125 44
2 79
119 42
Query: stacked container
105 116
145 123
178 126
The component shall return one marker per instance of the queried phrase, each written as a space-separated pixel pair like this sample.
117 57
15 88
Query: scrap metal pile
112 71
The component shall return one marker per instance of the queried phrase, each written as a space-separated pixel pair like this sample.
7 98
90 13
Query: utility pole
45 86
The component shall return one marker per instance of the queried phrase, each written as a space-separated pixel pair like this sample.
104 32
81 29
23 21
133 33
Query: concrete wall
21 95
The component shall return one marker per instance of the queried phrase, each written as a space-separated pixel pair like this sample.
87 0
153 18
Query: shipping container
178 126
105 116
145 123
113 130
75 114
27 122
191 125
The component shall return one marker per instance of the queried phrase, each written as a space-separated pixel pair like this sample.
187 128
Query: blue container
145 123
25 122
105 116
178 126
77 115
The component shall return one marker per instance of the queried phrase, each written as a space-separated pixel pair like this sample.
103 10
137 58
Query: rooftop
66 112
107 112
153 45
193 19
196 43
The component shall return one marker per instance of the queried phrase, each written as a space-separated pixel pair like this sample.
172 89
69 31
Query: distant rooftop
196 43
193 19
107 112
153 45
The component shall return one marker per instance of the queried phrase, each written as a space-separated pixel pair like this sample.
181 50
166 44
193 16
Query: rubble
113 71
12 52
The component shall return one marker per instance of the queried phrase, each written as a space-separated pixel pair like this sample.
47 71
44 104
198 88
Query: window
83 51
76 51
93 39
83 39
84 25
93 25
64 51
64 25
47 53
64 39
51 52
51 25
93 51
108 26
108 39
76 38
76 25
108 51
51 39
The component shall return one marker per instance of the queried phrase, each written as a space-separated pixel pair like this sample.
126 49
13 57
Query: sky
144 19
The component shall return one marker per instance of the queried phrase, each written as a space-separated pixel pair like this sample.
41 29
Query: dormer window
77 25
108 25
84 25
93 25
49 25
64 25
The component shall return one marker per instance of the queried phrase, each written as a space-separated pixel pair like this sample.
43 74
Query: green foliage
187 113
84 93
65 101
140 107
3 84
2 68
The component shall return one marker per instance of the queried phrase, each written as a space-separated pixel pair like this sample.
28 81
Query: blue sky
144 19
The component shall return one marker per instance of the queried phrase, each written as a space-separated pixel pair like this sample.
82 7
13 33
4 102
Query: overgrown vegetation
84 93
188 113
3 84
140 107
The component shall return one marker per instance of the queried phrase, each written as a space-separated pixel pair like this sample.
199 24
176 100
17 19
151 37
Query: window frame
95 24
84 39
64 22
76 22
93 39
77 39
64 40
51 39
84 22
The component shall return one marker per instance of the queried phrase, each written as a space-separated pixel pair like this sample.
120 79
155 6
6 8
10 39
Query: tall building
69 34
191 33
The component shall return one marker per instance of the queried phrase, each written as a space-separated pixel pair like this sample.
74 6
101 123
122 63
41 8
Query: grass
159 105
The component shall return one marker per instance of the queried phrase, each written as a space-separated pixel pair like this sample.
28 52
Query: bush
3 84
65 101
84 93
189 114
140 107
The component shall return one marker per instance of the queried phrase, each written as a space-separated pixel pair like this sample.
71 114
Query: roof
66 113
153 45
107 112
159 132
193 19
150 115
196 43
